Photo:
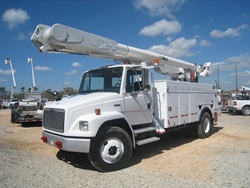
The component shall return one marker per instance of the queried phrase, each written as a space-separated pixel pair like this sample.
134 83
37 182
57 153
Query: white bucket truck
121 107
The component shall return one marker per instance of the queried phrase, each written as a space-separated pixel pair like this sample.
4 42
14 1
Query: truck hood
82 107
81 100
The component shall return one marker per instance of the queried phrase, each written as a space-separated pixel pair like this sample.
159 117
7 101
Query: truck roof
118 65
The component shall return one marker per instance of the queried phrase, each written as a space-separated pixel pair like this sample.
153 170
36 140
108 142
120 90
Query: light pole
218 74
8 61
236 77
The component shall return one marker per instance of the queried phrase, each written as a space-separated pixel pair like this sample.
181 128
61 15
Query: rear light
59 144
235 103
44 139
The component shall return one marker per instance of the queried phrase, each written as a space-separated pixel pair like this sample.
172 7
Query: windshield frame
102 80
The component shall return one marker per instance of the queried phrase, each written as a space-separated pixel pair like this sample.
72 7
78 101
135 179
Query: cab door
137 102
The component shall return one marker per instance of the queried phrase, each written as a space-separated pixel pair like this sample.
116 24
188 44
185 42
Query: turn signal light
98 111
156 61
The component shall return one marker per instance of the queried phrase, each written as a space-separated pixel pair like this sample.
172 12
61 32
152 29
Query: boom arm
30 60
8 61
64 39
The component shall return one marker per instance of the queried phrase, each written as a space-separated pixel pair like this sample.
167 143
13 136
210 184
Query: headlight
83 125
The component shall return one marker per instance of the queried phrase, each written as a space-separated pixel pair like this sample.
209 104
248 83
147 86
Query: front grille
53 119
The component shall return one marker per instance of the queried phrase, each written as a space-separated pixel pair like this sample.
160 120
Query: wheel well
246 106
206 109
122 123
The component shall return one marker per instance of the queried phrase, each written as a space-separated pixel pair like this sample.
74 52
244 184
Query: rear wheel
111 151
205 126
246 111
192 129
13 116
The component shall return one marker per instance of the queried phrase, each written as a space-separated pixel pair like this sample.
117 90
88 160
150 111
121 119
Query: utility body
120 107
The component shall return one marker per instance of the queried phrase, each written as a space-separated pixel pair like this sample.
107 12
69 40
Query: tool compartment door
172 115
181 103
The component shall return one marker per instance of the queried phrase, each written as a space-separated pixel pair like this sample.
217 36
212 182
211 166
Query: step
147 140
144 130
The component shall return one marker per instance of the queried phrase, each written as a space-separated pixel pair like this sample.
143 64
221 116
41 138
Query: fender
95 122
206 109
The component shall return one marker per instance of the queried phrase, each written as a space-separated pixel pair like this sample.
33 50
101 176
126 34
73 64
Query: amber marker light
156 62
97 111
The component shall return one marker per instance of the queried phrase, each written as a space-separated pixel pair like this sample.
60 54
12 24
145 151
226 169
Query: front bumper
68 143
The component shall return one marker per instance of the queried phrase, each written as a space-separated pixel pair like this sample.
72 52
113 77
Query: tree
3 92
35 88
48 94
22 89
69 91
19 95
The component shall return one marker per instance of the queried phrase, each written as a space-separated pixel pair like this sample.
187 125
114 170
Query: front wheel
112 151
205 126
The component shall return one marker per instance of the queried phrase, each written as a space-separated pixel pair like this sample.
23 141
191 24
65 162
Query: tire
192 129
246 111
111 151
13 116
205 126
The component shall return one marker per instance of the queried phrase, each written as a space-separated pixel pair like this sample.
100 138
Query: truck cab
113 92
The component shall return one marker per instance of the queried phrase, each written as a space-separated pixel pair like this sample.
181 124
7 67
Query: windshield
102 80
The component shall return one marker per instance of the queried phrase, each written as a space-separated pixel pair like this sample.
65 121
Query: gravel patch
222 160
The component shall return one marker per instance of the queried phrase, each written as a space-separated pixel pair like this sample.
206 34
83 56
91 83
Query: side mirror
56 95
147 88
